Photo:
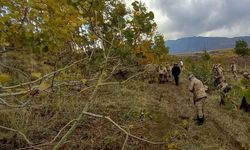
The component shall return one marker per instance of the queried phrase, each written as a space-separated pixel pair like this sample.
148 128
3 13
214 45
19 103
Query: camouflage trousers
199 105
234 74
217 81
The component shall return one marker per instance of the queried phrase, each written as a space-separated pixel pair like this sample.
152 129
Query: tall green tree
241 48
159 49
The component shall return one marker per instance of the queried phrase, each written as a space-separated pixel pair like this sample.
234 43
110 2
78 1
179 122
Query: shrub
201 69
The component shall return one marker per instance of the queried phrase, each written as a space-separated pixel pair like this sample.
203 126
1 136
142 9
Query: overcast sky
183 18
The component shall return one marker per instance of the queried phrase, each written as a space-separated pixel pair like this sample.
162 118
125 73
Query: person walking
218 74
199 97
181 64
233 69
176 73
162 74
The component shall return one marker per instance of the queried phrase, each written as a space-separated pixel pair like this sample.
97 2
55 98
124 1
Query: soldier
233 69
218 74
151 72
246 75
176 72
168 67
199 97
162 74
223 88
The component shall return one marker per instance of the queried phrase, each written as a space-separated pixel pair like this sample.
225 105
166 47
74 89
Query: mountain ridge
200 43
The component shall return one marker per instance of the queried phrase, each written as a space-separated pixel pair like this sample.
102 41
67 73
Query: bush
241 48
201 69
205 56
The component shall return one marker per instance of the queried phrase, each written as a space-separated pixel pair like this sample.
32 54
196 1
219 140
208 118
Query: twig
3 102
19 132
115 83
125 142
123 130
86 107
54 139
12 68
14 94
43 77
113 70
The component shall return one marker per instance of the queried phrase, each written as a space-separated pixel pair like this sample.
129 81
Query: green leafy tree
159 49
79 26
241 48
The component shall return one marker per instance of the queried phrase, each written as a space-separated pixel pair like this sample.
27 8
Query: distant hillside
192 44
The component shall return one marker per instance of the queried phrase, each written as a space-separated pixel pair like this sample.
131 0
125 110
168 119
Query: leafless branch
43 77
114 83
123 130
86 107
125 142
15 69
19 132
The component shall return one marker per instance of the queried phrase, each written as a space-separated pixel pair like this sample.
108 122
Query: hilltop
194 44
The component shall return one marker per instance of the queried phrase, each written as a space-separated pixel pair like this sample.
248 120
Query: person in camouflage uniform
168 67
151 73
162 74
246 75
224 88
199 97
218 74
233 69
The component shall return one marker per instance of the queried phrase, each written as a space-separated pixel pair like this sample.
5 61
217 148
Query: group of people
197 87
166 71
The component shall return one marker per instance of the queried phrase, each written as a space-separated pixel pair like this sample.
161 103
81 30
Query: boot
200 121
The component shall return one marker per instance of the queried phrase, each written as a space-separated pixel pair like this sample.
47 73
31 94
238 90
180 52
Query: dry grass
158 112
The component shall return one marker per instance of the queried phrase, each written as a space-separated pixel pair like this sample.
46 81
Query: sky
185 18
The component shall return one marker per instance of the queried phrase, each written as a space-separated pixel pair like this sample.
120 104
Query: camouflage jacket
197 88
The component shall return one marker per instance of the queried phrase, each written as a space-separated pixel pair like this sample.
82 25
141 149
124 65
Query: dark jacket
176 71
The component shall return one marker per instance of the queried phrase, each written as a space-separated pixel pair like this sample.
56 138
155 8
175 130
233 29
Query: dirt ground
164 112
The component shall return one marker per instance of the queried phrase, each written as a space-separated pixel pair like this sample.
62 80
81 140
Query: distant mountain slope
191 44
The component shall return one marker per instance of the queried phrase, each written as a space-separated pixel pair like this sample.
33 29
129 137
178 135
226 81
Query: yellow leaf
44 86
172 146
36 74
130 126
4 78
84 81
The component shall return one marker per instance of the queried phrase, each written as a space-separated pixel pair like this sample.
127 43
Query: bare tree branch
125 142
15 69
43 77
123 130
19 132
86 107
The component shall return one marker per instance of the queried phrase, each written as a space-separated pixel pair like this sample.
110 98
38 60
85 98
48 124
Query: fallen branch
19 132
3 102
115 83
43 77
86 107
57 84
123 130
125 142
12 68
